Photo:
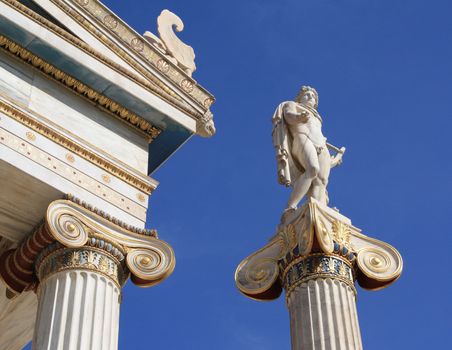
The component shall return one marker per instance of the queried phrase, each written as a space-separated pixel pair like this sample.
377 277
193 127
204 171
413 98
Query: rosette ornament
317 229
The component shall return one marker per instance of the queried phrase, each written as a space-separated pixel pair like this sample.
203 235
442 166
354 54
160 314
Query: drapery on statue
302 153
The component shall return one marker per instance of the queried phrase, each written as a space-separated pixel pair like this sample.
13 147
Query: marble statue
303 157
316 255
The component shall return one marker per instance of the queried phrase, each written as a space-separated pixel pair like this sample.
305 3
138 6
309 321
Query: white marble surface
15 80
323 316
23 201
72 113
78 310
303 158
17 316
55 183
184 54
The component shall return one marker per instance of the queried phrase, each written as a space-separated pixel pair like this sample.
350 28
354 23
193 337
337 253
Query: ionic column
316 256
320 296
77 262
79 296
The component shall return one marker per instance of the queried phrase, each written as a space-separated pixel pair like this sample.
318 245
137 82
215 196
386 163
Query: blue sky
384 75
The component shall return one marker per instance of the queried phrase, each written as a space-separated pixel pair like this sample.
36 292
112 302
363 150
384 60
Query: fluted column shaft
321 300
77 310
323 316
79 296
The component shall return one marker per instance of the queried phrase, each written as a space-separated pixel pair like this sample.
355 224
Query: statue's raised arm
302 153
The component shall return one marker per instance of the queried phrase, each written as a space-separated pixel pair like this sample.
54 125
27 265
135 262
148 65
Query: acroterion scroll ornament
169 44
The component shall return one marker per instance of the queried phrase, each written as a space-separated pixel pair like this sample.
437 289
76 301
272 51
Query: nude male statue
304 161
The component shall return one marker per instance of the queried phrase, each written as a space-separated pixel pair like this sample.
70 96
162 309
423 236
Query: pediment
87 41
75 16
101 29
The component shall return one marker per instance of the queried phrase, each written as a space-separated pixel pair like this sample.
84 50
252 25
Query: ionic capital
73 236
314 242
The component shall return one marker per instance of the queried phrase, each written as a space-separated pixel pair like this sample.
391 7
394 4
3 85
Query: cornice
137 122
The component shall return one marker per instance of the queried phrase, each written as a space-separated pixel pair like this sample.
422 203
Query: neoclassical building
88 110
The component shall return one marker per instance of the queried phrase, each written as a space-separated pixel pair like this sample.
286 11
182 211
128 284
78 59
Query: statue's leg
321 181
304 151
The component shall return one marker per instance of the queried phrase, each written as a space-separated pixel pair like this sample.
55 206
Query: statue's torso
310 125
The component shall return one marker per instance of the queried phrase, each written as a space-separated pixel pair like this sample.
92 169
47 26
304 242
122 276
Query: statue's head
308 96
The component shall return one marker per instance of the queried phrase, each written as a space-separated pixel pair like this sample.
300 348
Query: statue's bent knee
312 171
318 181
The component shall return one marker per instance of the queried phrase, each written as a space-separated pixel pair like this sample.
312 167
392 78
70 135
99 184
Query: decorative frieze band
316 266
56 258
134 180
72 174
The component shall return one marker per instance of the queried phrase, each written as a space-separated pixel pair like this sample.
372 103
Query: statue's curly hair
305 89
